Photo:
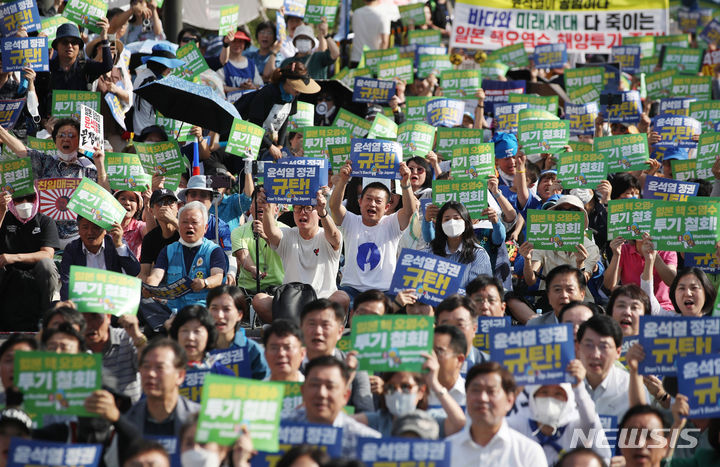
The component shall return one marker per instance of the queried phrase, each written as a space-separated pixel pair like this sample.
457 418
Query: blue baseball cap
680 154
163 53
547 172
506 145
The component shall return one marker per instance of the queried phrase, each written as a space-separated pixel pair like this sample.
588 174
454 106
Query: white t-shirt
370 252
313 261
369 23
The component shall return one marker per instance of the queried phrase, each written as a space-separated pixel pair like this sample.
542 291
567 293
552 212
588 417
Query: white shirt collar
99 253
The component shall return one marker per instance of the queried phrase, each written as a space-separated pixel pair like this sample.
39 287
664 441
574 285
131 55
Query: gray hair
195 206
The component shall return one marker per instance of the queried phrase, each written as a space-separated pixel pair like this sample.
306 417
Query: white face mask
454 227
199 458
547 410
303 45
24 210
190 245
67 157
399 403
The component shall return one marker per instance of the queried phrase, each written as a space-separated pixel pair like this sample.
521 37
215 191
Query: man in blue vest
193 258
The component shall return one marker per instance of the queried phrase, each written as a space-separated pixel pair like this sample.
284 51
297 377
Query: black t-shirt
16 237
153 243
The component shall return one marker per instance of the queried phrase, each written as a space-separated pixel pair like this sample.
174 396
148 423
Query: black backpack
289 300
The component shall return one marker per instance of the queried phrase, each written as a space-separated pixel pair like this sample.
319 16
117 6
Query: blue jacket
200 269
258 365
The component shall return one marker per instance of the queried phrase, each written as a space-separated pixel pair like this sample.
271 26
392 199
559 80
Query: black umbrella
190 102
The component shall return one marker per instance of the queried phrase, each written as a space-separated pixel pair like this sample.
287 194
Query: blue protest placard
550 55
387 452
628 342
236 359
668 189
115 108
711 32
498 91
295 8
444 112
609 425
664 338
18 52
371 90
27 452
375 158
171 445
191 387
628 111
699 380
628 56
427 49
582 118
676 105
705 261
485 324
506 116
296 183
534 355
290 434
676 131
10 111
17 14
432 277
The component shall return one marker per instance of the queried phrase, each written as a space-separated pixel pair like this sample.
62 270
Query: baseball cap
506 145
417 422
160 194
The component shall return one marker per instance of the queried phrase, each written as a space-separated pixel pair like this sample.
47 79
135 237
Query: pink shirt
631 267
132 234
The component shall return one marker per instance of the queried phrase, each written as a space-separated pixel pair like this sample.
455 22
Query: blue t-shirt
223 230
232 207
236 77
260 60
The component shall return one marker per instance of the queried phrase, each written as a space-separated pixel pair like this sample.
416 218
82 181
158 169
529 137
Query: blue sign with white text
431 277
444 112
405 452
296 181
371 90
19 52
26 452
550 55
375 158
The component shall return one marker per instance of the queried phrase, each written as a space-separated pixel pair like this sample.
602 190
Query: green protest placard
416 138
400 69
706 112
692 168
646 43
629 218
383 128
493 69
304 117
175 129
415 108
424 37
549 103
292 397
433 65
624 153
690 226
659 85
392 342
460 84
513 56
649 65
543 136
470 192
6 154
56 383
316 10
125 172
682 59
581 169
194 61
161 158
580 146
473 160
584 94
338 154
555 230
357 125
674 40
449 137
413 13
708 147
374 57
228 19
99 291
577 78
228 403
317 139
16 177
699 87
42 145
245 139
94 203
48 26
535 114
66 104
86 13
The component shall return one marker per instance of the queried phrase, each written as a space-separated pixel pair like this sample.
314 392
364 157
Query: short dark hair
189 30
236 293
564 461
142 446
507 381
180 361
561 271
632 291
621 183
67 329
373 295
596 310
16 339
68 313
323 304
377 186
458 342
605 326
317 454
265 25
456 301
482 281
65 122
640 409
281 328
710 292
200 313
328 361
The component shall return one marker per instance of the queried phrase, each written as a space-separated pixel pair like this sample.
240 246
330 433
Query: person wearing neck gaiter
28 240
193 258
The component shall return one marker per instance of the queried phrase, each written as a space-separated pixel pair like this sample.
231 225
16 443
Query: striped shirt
120 363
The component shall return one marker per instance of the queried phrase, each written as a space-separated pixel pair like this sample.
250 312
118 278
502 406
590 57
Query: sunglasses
164 202
189 39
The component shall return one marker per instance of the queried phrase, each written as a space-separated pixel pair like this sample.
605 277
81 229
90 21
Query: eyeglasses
405 387
488 300
307 209
67 135
189 39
